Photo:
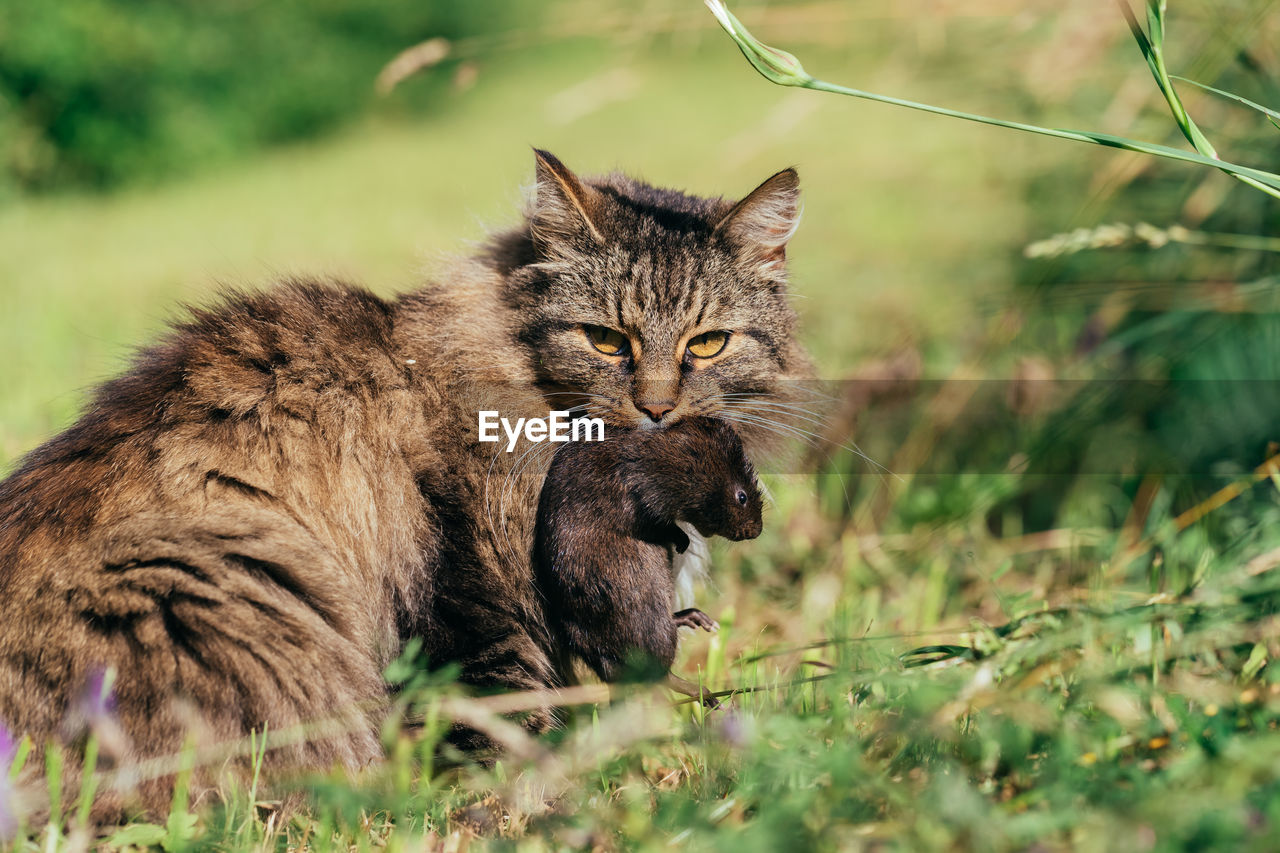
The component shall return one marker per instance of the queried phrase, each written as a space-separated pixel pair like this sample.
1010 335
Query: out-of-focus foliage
100 92
1177 331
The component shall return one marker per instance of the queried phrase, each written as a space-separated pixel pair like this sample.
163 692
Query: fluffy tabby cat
248 525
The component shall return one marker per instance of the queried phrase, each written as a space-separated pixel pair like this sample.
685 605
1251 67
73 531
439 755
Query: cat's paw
695 618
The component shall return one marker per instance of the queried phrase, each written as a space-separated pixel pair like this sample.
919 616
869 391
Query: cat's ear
563 206
763 222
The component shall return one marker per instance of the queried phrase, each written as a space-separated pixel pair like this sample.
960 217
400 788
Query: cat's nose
655 411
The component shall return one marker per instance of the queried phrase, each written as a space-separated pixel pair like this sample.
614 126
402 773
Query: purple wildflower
736 729
8 803
94 711
98 701
8 749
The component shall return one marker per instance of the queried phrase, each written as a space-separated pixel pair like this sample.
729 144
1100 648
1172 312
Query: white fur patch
692 568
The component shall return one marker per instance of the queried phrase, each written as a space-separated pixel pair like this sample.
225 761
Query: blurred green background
1044 405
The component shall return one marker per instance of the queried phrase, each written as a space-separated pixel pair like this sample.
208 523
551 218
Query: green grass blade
138 835
53 778
1155 23
1105 139
785 70
1270 113
1139 35
1152 46
181 825
88 781
20 758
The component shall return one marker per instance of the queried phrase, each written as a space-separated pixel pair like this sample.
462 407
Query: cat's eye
707 344
607 341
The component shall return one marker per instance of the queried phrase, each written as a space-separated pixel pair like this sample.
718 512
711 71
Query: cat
249 524
606 529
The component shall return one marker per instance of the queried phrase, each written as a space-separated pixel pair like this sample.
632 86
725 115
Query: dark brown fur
607 526
252 521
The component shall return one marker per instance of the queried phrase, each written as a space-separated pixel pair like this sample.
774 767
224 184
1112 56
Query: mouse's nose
655 411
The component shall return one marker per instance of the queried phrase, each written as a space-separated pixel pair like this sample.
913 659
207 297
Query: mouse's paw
695 618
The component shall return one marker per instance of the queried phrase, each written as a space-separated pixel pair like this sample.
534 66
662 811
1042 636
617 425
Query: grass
918 661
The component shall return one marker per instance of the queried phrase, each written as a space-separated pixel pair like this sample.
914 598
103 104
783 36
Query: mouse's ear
762 223
564 208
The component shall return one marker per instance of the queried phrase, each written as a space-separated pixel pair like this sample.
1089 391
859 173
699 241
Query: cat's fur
607 527
249 524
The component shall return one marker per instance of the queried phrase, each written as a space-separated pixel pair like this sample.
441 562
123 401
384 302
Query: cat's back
232 517
226 389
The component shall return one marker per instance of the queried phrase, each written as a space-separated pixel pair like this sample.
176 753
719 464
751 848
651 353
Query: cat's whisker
767 423
779 416
782 410
850 447
488 503
759 396
531 454
503 538
786 404
751 405
780 429
814 441
587 395
535 485
499 528
793 419
817 396
778 404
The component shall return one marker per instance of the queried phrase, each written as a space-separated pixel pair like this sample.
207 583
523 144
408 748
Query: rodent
606 528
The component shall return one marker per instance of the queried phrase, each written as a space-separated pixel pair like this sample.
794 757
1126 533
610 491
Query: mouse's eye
742 498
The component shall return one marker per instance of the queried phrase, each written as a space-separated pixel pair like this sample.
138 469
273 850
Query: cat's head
649 305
